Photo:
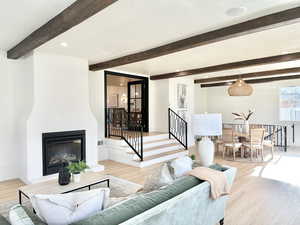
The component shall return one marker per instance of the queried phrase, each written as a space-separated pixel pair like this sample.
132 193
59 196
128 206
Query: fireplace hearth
60 147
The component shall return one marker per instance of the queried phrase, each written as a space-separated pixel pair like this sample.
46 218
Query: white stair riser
122 143
119 154
122 157
162 159
159 151
159 143
155 137
115 143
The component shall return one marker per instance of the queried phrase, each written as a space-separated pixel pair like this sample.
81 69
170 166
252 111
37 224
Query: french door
137 105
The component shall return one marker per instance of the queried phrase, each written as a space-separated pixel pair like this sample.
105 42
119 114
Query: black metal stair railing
118 125
276 133
178 128
134 138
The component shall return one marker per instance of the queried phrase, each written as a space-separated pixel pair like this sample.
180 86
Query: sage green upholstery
35 219
141 203
166 206
3 221
186 201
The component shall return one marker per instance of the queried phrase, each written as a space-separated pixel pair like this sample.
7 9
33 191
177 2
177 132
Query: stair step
149 158
159 143
156 137
159 150
158 140
161 147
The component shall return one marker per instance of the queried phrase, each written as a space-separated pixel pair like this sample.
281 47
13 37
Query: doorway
126 101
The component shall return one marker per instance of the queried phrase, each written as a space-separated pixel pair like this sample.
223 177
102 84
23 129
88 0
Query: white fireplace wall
22 71
61 103
8 161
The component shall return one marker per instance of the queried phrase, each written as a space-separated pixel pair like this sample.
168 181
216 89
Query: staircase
136 149
157 148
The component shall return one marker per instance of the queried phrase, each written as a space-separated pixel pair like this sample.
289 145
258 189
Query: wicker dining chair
230 142
255 144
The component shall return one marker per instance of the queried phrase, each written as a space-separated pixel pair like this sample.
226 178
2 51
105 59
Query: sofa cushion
71 207
181 166
158 178
143 202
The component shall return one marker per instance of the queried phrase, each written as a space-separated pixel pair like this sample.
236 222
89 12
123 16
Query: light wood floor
263 193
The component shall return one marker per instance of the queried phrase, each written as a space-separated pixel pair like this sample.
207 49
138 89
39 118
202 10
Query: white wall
189 82
22 71
200 99
158 105
61 103
41 93
264 102
96 86
162 95
8 155
16 90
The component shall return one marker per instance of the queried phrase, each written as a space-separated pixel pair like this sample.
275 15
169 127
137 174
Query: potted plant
76 168
193 157
245 118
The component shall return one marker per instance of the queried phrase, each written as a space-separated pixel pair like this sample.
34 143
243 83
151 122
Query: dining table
245 137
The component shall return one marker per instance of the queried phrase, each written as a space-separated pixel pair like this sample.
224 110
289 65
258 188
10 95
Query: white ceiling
130 26
266 43
19 18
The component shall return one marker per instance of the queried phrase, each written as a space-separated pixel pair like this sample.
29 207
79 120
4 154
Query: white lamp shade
209 124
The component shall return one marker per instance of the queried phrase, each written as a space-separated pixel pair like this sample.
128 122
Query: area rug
247 158
118 188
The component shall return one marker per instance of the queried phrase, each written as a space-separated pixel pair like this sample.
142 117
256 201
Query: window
290 104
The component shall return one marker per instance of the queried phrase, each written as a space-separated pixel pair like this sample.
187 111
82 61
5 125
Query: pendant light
240 88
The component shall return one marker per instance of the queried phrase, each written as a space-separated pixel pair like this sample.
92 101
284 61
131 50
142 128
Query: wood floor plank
263 193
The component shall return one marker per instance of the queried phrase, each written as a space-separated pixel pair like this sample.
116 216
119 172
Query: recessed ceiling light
206 77
64 44
237 11
177 70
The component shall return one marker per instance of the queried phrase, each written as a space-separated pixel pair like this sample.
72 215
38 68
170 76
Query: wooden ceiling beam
251 26
249 75
230 66
78 12
253 81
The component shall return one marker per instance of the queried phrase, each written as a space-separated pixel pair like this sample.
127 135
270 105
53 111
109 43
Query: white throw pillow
63 209
18 216
181 166
158 178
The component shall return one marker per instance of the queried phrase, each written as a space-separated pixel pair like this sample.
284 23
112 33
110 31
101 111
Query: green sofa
186 201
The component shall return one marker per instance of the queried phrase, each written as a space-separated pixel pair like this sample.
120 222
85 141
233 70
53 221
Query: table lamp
207 125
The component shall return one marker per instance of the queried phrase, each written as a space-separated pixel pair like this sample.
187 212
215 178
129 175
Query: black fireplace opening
61 147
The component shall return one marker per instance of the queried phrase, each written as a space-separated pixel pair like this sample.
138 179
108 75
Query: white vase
206 152
76 177
246 127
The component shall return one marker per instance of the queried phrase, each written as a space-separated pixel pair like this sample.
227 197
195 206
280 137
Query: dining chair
255 144
271 144
229 142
